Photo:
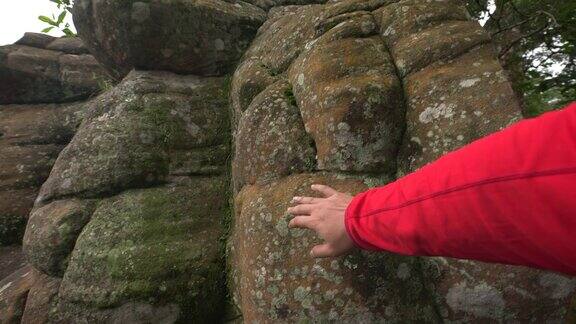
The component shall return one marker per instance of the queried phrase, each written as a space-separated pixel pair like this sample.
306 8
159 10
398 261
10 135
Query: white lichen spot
460 137
403 271
219 44
301 79
435 112
6 286
469 82
481 301
558 286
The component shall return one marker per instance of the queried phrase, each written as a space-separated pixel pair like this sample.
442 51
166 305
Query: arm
508 198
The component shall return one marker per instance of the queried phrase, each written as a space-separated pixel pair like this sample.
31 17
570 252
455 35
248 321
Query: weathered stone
204 37
283 37
68 45
13 292
248 81
129 254
35 40
136 133
31 138
268 4
158 246
409 25
275 280
271 138
52 232
33 75
453 103
453 91
40 299
11 259
351 99
478 292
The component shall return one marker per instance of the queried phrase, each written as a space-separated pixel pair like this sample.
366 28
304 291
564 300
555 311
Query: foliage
537 43
65 8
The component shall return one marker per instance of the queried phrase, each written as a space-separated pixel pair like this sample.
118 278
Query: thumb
322 251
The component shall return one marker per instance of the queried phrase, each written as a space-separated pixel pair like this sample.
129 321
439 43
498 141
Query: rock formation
40 77
168 202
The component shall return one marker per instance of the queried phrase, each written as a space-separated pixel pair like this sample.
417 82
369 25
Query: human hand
325 216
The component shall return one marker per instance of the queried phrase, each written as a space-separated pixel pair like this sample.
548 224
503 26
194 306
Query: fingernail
312 253
294 199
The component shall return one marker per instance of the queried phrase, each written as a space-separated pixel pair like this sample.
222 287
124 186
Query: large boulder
378 99
128 224
31 137
203 37
41 69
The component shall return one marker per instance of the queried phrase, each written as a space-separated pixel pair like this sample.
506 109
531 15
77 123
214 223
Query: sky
20 16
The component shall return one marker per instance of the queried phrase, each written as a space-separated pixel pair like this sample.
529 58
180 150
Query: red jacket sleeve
507 198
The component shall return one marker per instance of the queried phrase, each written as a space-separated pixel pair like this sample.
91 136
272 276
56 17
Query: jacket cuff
350 221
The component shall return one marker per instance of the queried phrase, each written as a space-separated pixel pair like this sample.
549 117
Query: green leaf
61 17
47 20
48 29
68 32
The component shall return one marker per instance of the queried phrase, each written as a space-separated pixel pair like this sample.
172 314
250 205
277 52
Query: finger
302 222
306 200
324 190
305 209
322 251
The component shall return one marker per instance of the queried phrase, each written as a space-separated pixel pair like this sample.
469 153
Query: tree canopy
537 44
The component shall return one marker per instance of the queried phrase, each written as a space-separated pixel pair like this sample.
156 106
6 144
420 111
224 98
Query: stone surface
52 231
272 138
276 280
11 259
141 133
351 100
203 37
351 93
159 246
68 45
31 138
13 293
131 217
35 40
369 70
32 74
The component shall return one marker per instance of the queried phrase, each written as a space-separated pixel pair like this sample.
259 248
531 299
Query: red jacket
508 198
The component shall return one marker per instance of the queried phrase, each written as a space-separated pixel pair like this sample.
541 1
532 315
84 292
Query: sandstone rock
272 138
11 259
13 293
157 245
131 216
51 234
276 280
35 40
36 75
268 4
68 45
351 101
203 37
336 57
31 138
141 133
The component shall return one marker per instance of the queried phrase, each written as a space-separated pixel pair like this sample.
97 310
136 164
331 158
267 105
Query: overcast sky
20 16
